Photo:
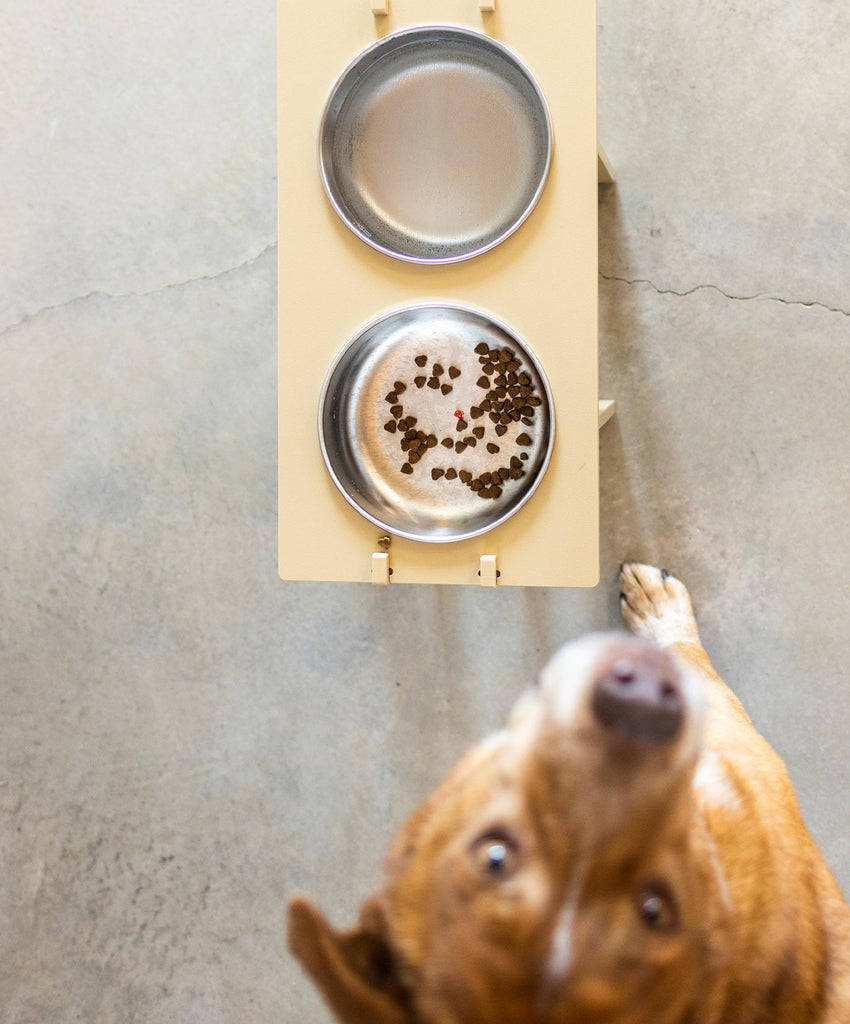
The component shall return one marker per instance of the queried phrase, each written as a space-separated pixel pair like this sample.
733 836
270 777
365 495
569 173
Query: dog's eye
657 909
495 856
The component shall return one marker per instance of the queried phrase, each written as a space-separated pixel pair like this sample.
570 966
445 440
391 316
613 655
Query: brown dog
628 851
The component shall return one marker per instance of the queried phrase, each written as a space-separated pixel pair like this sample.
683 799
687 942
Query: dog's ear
355 970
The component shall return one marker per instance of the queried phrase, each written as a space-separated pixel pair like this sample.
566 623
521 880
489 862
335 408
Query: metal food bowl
435 144
421 361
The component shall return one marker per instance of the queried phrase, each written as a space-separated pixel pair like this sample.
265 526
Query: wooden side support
604 169
607 408
381 8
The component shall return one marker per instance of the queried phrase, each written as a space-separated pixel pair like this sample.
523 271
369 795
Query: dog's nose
638 692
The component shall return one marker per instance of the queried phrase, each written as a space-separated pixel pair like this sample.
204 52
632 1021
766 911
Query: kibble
475 485
454 372
492 448
446 388
421 360
433 382
476 412
524 456
396 411
399 388
437 370
460 447
391 398
483 382
447 442
451 474
419 382
478 432
413 458
431 441
523 439
465 476
437 473
501 429
506 355
482 348
462 425
407 468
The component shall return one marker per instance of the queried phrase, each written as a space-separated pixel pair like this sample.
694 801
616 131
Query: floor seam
735 298
98 293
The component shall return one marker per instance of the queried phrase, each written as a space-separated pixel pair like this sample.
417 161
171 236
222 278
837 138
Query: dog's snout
638 693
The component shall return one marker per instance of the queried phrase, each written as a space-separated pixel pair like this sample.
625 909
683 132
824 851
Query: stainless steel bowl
435 144
376 383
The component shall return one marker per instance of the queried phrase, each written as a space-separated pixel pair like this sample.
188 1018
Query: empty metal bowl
403 432
435 144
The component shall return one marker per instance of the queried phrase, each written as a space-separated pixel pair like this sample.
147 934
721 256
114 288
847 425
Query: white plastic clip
486 6
381 7
488 571
380 567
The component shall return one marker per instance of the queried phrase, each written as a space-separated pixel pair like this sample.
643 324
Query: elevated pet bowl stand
542 281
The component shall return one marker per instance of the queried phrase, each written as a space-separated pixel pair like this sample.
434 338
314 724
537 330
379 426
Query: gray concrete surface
184 739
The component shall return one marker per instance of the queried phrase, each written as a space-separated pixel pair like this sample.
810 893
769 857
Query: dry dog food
509 397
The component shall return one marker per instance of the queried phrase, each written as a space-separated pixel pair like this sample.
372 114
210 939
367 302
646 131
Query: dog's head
560 874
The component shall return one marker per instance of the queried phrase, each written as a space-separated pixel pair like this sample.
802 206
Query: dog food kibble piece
527 410
421 435
517 403
501 392
431 441
396 411
470 442
437 370
390 426
462 424
515 414
407 468
413 458
476 412
500 381
492 448
465 476
482 348
411 422
494 355
399 388
501 429
523 439
523 378
495 492
447 442
516 474
437 473
485 406
478 432
410 433
482 382
402 424
488 369
534 400
528 421
524 456
415 445
513 390
515 463
506 355
504 418
433 382
451 474
391 398
421 360
419 382
512 380
405 445
504 472
494 416
446 388
475 485
454 372
485 478
460 447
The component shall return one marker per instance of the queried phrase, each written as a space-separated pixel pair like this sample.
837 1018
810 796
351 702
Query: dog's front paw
655 605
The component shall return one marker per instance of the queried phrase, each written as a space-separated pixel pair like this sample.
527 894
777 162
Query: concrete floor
184 738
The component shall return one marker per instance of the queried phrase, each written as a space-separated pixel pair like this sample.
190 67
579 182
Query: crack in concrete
97 293
735 298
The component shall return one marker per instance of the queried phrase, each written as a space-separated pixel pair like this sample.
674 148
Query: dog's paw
655 605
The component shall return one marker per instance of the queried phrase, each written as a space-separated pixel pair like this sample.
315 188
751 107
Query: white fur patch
714 784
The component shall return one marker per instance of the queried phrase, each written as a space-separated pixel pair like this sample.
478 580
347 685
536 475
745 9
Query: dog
628 850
